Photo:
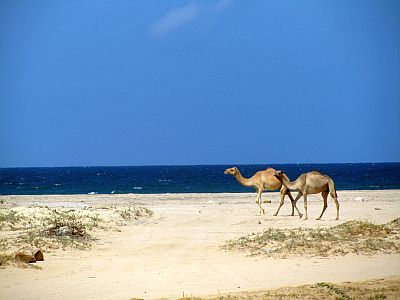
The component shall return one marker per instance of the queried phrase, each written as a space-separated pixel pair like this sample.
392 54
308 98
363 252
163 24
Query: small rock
377 208
259 222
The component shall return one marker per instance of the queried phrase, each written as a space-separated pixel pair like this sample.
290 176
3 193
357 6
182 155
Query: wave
182 179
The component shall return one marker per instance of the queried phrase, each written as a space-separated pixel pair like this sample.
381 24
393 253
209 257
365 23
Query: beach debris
377 208
210 202
359 199
26 258
38 254
64 230
270 250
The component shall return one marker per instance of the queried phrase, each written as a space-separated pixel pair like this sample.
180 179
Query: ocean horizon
182 179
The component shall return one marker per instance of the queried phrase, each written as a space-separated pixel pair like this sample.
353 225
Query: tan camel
261 181
311 183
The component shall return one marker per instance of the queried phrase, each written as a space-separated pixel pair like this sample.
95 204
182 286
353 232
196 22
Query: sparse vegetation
369 290
8 219
351 237
134 213
50 229
60 228
339 292
5 259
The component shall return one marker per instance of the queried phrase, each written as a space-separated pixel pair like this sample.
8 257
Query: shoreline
178 248
151 196
250 191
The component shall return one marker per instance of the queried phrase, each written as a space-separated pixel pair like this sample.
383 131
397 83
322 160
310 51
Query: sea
182 179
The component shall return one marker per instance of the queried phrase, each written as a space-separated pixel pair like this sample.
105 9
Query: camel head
279 175
233 171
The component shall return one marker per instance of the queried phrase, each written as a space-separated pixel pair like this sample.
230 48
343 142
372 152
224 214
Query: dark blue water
181 179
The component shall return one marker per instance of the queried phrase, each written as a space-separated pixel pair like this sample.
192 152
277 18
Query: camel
311 183
261 181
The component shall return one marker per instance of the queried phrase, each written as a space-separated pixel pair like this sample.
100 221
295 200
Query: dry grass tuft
134 213
5 259
9 219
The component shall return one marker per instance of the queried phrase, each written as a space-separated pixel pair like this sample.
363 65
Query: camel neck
290 185
242 180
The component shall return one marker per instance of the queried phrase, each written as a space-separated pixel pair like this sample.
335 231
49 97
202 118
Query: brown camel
311 183
261 181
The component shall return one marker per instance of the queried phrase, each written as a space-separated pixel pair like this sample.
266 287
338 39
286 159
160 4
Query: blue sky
198 82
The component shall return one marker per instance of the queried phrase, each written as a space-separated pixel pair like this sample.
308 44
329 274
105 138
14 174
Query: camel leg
337 206
305 205
287 192
283 193
324 197
258 201
293 204
299 194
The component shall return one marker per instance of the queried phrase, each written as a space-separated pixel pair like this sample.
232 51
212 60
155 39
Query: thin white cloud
174 19
183 15
222 4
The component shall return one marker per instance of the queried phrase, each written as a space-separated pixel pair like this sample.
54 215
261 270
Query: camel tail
332 188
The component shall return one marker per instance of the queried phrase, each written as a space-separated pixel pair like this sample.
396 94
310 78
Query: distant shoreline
265 194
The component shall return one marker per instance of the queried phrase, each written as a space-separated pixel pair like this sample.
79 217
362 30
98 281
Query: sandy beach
176 250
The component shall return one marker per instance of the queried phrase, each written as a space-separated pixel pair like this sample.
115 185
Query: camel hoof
300 216
318 219
275 215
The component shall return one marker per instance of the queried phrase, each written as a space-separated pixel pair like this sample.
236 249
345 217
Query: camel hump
316 171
